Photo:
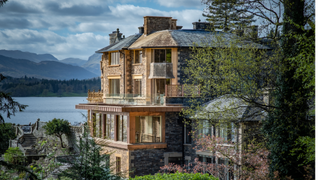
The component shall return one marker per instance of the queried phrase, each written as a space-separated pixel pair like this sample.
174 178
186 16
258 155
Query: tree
6 133
224 14
250 164
8 105
90 164
175 176
236 68
58 127
293 97
2 2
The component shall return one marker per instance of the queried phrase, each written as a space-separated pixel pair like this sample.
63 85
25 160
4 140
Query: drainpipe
124 72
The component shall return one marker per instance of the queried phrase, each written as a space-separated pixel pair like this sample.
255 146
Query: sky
77 28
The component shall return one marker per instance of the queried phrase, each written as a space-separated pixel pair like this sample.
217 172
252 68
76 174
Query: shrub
14 155
176 176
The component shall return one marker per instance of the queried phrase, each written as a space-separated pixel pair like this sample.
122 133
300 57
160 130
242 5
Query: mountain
44 69
73 61
93 64
16 54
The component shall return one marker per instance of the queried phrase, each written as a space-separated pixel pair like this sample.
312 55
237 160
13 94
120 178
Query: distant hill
45 69
16 54
73 61
93 64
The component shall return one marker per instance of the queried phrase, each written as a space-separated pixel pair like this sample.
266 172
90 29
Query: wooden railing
182 90
95 97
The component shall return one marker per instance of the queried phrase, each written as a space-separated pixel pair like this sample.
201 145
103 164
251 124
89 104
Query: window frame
111 88
115 60
139 59
166 54
139 135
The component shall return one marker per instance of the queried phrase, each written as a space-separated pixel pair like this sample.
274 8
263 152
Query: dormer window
114 58
162 55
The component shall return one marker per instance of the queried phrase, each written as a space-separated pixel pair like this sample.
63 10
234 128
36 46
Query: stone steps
29 140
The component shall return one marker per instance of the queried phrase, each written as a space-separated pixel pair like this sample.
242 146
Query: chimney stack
115 36
158 23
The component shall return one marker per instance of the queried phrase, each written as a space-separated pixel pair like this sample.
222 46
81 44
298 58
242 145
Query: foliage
27 86
6 133
296 83
251 163
90 164
8 105
2 2
176 176
224 14
14 155
58 127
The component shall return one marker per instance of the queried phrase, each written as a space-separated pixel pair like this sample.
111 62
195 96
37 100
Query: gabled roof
188 38
122 44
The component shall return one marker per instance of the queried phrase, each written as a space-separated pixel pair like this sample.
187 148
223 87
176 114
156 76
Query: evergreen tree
90 164
227 14
291 120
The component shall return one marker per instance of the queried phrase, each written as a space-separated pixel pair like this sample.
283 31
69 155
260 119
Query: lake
47 108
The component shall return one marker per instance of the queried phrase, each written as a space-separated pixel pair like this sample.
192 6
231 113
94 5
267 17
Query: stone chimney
158 23
141 29
115 36
201 25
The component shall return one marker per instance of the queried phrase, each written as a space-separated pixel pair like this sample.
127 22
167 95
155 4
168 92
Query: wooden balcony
95 97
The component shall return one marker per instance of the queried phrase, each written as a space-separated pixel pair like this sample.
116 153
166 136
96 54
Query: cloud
76 28
179 3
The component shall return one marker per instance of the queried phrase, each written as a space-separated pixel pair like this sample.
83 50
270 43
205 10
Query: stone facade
183 55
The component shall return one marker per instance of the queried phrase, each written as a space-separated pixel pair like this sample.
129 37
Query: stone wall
115 152
111 70
140 69
183 55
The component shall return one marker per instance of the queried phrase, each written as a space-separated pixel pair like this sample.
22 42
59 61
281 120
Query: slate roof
187 38
230 108
122 44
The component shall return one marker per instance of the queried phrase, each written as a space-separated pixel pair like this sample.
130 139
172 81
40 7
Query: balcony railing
171 91
95 97
182 90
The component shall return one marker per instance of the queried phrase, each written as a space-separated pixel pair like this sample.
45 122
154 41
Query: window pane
124 128
148 129
156 55
119 127
188 134
112 127
114 87
156 131
115 56
162 55
137 87
140 56
168 55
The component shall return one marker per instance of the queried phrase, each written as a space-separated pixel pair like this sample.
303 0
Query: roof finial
199 20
